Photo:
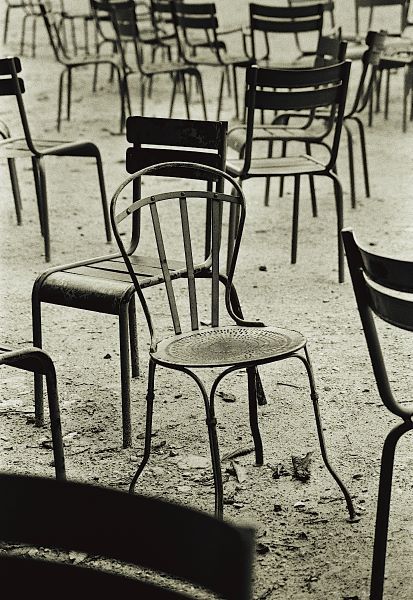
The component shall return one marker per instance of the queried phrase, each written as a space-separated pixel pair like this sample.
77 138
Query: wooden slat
5 65
293 78
190 22
297 26
8 87
389 272
189 262
165 270
286 12
174 132
396 311
267 100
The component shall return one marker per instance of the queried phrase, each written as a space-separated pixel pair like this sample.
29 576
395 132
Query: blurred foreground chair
239 345
12 85
383 287
102 284
70 63
295 90
161 537
38 361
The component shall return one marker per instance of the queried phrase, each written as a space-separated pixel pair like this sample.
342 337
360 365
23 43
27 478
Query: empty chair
38 361
296 89
199 29
328 7
12 85
241 344
70 63
102 283
10 5
161 537
383 287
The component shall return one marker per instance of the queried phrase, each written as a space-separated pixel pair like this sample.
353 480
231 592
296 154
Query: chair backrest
383 286
188 203
156 140
297 89
330 50
375 42
12 85
265 19
373 4
131 529
193 19
328 6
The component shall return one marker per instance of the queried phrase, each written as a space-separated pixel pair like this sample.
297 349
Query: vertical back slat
189 262
165 269
216 237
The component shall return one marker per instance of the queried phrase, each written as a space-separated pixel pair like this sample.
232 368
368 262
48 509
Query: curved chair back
135 530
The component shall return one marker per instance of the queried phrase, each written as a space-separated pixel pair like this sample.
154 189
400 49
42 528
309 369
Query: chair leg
55 423
198 78
268 179
34 26
142 97
6 24
23 34
353 517
296 208
148 429
37 343
253 416
236 99
37 186
103 196
312 186
69 93
173 95
185 91
221 93
387 95
15 189
338 195
350 148
363 154
60 99
38 165
133 338
283 155
125 374
383 509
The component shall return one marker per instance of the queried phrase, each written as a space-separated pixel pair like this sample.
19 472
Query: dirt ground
306 546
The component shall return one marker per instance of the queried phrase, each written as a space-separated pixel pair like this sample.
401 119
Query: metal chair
10 5
268 22
102 284
166 539
12 85
78 12
127 31
291 90
38 361
70 63
328 7
191 20
240 345
376 281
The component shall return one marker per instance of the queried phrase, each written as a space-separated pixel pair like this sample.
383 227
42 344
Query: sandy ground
307 548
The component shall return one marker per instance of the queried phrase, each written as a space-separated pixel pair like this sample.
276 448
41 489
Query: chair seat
17 147
302 164
228 345
312 134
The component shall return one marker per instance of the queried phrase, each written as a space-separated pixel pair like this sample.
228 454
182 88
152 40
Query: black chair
70 63
37 149
102 284
160 537
296 89
328 7
377 280
228 348
38 361
202 44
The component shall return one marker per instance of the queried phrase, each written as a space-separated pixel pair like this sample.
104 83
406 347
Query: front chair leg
148 429
253 415
125 374
296 208
338 195
353 517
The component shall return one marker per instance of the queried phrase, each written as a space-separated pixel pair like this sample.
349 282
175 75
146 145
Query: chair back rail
167 538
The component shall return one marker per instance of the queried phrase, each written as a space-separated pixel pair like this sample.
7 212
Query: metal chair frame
328 7
212 346
369 270
12 85
295 90
10 5
71 63
102 284
38 361
161 537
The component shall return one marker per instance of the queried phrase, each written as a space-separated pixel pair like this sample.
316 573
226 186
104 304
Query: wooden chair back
150 533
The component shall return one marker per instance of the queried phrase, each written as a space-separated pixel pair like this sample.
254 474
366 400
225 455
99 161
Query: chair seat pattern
228 345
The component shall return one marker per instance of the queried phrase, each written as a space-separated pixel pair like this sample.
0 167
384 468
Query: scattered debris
278 470
262 548
227 396
236 453
107 356
239 471
299 505
262 268
301 466
277 508
192 461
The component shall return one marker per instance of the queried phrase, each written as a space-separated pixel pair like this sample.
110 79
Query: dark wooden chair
38 361
12 85
160 537
71 63
203 44
296 89
377 281
102 284
242 344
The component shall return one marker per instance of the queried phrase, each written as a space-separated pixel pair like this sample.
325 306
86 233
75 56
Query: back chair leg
283 155
148 427
363 147
350 148
6 24
383 509
338 195
69 93
296 208
55 423
198 78
221 93
37 186
353 517
173 94
387 95
15 189
60 99
40 177
133 338
236 99
34 27
125 374
312 186
37 342
253 415
23 34
103 195
185 91
268 179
